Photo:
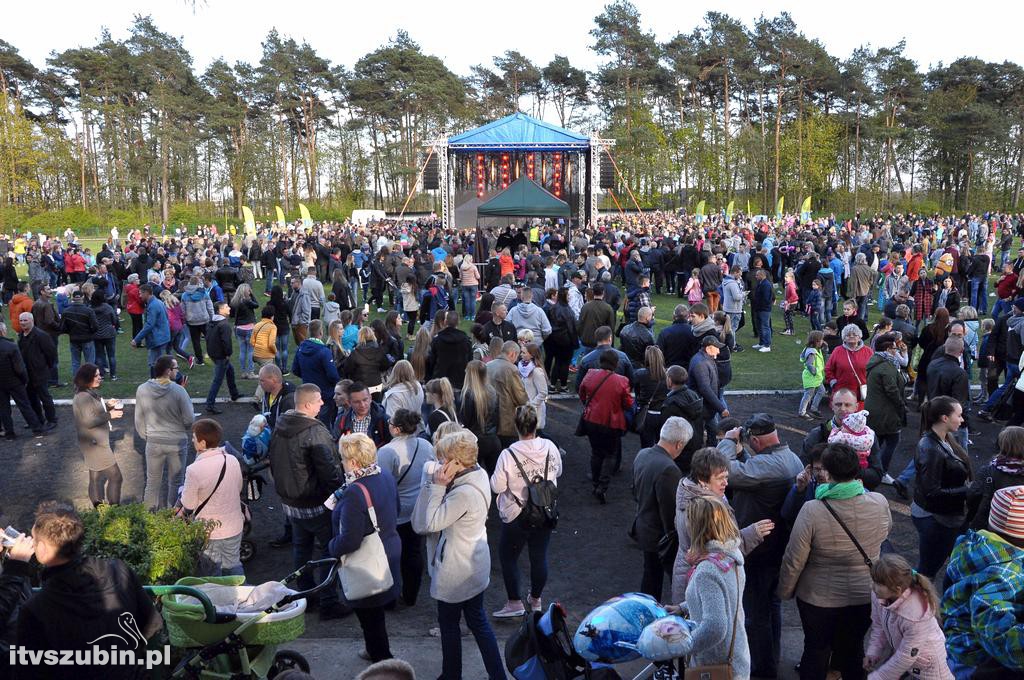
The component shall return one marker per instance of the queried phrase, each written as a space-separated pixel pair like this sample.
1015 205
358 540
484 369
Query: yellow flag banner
250 221
280 215
748 208
805 210
307 221
779 208
700 212
728 211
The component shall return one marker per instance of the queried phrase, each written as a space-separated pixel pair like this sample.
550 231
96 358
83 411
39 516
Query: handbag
581 424
856 543
720 671
862 389
365 572
668 547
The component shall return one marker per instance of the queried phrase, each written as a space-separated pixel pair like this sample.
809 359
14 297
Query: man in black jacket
498 327
79 322
946 377
677 341
39 353
278 395
218 346
683 402
13 378
302 460
635 338
82 600
655 478
450 351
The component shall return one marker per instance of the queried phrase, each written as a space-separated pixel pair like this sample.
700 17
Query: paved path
591 556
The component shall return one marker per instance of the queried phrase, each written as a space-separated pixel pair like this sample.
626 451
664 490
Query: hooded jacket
885 404
686 491
450 352
527 315
314 363
907 634
454 520
83 600
218 338
508 482
302 460
982 612
198 306
163 412
18 304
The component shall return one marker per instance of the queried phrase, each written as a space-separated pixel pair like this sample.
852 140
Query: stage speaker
607 171
431 174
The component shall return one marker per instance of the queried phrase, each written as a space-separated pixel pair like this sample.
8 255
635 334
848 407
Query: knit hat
1006 516
1019 303
854 432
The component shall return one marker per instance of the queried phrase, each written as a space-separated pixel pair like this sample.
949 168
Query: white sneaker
755 347
887 479
510 611
381 310
765 349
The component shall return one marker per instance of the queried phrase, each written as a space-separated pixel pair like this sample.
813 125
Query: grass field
752 370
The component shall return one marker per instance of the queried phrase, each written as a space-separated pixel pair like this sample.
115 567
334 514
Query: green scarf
839 491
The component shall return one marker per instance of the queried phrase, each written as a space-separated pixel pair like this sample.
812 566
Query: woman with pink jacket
906 639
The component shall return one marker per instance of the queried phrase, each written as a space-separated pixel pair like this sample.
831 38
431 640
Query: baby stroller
253 482
225 645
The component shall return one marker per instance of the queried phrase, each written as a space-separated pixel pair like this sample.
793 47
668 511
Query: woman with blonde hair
441 396
333 341
714 593
479 412
402 390
419 353
243 306
451 511
446 429
366 485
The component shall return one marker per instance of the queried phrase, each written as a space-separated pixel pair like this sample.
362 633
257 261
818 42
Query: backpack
541 507
542 649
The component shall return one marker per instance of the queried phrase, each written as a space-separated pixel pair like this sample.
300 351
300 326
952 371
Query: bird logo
132 637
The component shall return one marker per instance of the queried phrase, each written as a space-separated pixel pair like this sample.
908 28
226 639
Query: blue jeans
305 532
79 351
153 353
812 397
514 537
862 307
281 359
469 301
936 543
448 616
764 327
1004 257
1000 307
105 358
887 444
222 368
244 350
1012 373
763 622
979 294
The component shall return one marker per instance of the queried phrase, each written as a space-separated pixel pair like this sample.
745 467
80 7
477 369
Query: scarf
1009 465
894 359
356 475
525 369
839 490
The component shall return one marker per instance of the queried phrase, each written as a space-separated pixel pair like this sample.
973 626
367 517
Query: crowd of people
403 425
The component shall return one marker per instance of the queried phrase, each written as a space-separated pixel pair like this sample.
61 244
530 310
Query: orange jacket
19 303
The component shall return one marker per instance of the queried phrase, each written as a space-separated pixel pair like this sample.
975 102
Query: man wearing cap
760 483
79 322
983 605
703 372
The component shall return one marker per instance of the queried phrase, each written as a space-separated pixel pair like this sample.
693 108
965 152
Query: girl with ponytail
906 639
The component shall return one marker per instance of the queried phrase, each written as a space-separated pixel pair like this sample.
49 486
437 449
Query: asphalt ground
591 557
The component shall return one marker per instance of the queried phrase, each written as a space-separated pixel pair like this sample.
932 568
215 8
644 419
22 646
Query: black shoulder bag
856 544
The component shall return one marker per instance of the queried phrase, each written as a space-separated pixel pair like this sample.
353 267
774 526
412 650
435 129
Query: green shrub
55 221
160 547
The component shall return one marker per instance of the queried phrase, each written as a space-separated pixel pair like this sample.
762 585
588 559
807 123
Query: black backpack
541 507
542 649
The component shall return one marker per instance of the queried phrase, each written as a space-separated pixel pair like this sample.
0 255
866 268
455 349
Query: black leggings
556 363
197 333
111 479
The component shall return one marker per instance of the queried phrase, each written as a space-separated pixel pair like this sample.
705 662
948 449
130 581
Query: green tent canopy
524 198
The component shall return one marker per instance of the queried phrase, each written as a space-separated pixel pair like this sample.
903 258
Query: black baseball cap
711 341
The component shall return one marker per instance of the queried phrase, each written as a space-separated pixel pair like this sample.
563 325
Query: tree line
130 129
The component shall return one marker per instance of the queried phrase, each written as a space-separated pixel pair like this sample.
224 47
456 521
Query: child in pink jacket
906 638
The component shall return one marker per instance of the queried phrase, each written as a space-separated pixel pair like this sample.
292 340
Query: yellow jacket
264 340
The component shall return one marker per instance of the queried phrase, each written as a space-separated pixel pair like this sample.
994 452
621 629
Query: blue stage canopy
518 132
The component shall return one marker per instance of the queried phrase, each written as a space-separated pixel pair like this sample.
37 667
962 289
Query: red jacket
848 369
607 402
132 301
1006 289
914 266
74 263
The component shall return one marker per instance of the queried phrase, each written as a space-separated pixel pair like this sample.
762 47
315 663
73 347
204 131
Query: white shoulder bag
366 572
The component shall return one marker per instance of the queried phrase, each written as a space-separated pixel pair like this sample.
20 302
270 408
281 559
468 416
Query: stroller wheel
246 551
285 660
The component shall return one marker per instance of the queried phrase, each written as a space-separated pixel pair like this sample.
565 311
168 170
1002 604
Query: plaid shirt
303 513
361 425
983 608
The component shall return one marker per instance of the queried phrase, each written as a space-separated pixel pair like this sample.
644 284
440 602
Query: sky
465 33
